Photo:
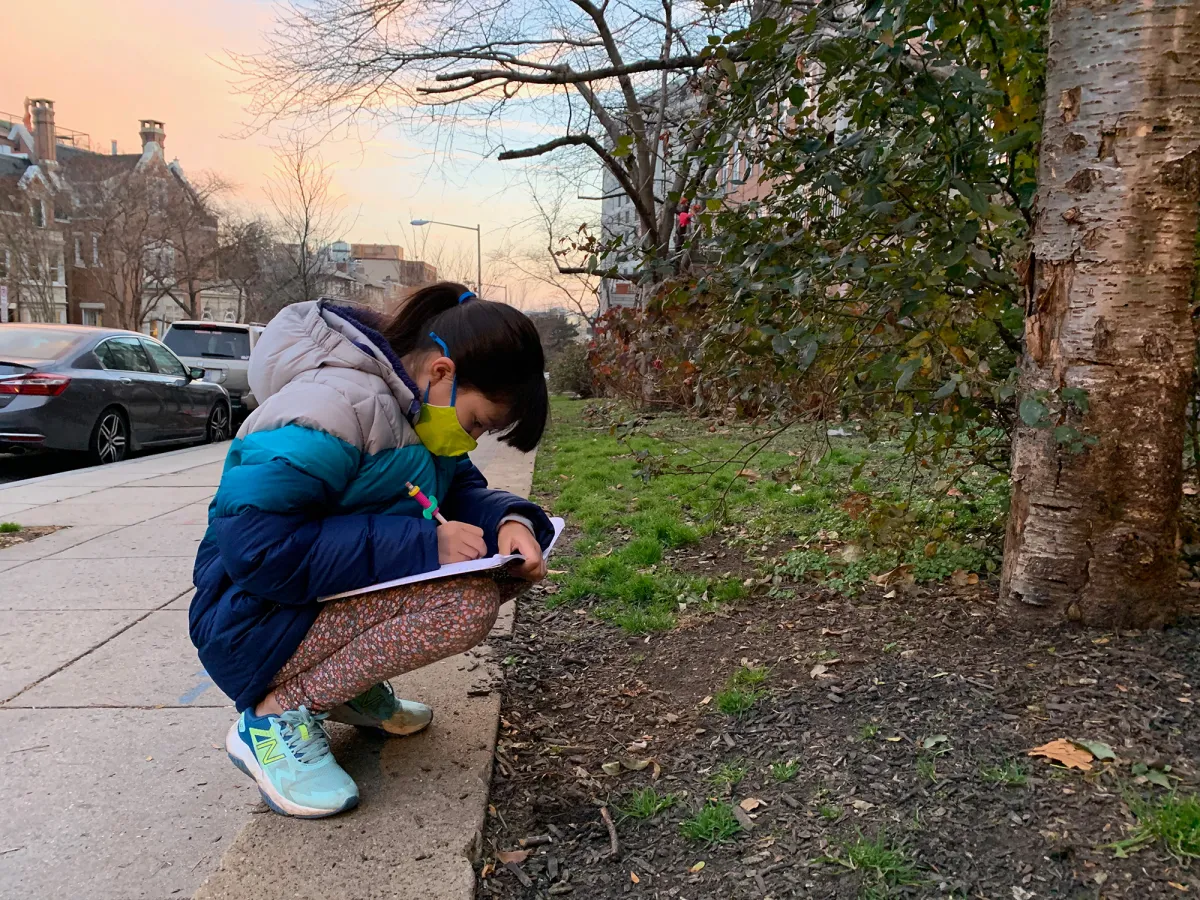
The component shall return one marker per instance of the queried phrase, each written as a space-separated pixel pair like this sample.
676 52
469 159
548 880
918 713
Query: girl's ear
441 368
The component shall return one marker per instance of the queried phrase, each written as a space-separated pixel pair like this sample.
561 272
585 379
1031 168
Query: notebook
495 564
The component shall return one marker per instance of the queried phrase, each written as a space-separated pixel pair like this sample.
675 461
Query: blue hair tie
466 295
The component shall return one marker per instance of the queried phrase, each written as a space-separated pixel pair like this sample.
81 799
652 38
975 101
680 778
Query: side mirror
196 374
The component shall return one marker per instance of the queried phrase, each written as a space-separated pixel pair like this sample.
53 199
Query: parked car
101 391
222 350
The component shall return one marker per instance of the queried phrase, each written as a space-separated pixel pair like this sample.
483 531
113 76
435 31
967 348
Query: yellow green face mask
438 426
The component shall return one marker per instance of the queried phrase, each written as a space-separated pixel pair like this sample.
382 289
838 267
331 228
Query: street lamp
420 223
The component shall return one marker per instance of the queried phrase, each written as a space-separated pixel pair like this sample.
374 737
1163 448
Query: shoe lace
304 734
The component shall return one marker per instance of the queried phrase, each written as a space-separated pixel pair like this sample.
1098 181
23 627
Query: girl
312 502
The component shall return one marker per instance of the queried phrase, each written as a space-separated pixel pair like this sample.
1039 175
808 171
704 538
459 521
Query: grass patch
9 527
927 769
868 731
645 804
1173 822
743 691
783 772
829 812
728 775
1010 774
715 823
884 866
638 487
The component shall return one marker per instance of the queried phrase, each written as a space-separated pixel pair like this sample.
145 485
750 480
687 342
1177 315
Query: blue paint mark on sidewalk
192 695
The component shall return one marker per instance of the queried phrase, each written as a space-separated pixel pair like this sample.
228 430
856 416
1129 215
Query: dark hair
496 350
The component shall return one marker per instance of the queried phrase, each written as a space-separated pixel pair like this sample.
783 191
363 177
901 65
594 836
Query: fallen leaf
635 765
959 578
148 758
933 741
1191 490
1098 749
819 670
972 578
954 492
750 804
1178 886
852 553
487 870
890 594
743 818
516 857
894 739
707 700
1065 752
633 877
611 768
749 474
1159 777
829 632
697 867
862 805
931 549
902 574
1019 893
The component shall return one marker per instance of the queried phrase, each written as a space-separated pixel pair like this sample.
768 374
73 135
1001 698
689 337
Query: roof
81 330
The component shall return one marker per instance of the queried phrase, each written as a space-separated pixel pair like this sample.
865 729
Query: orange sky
108 63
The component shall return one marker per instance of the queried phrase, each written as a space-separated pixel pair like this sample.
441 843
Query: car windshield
209 342
34 343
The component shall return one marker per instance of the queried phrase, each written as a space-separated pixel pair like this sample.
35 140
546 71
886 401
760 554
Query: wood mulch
894 707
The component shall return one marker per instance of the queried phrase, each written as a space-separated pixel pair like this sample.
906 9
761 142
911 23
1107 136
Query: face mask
438 426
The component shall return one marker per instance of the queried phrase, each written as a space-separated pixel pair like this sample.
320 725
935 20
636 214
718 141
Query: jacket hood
305 337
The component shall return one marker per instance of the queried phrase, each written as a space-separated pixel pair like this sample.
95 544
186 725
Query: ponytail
496 351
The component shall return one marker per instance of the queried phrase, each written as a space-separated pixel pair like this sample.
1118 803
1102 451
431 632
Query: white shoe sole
346 716
243 757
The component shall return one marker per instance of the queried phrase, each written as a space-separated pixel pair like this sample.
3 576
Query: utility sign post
3 303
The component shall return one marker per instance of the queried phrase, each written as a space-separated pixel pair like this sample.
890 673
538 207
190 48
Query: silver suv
222 350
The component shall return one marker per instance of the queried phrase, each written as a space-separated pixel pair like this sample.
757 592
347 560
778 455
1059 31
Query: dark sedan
101 391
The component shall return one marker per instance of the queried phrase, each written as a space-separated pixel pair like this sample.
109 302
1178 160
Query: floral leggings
361 641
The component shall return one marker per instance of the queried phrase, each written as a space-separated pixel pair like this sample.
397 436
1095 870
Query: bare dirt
898 710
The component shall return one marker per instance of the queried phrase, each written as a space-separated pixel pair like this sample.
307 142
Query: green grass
638 487
728 775
868 731
829 812
9 527
715 823
783 772
884 866
1010 774
743 691
1172 822
645 804
927 769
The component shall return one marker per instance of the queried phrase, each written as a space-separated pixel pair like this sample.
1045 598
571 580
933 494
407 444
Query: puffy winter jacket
312 499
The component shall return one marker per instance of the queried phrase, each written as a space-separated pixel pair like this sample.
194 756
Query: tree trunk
1092 531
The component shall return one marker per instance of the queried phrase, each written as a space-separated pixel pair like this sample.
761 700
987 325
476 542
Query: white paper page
451 569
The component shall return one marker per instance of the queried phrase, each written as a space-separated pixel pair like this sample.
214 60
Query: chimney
44 141
152 131
114 147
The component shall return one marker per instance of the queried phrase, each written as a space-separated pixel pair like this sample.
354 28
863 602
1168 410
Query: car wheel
110 437
218 424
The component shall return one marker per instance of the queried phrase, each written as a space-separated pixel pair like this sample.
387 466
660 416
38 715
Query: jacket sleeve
470 500
273 538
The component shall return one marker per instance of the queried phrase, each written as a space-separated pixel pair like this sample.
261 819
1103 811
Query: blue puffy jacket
312 499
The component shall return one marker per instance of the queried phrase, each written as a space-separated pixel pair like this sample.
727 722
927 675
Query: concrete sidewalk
115 780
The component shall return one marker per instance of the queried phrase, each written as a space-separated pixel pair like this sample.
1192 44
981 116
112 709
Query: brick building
118 239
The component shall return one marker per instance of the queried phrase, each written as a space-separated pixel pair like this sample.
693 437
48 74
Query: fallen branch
615 845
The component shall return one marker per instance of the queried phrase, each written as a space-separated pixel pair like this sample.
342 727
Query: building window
38 210
92 317
95 249
78 250
62 269
3 265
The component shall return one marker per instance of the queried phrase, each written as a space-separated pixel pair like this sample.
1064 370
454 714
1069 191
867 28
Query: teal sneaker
288 757
379 707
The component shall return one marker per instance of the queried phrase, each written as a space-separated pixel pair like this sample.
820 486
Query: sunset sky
108 63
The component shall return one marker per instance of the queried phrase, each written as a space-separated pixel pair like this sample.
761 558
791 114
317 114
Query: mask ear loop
445 352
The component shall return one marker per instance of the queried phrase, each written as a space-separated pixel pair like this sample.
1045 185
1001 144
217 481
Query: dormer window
38 210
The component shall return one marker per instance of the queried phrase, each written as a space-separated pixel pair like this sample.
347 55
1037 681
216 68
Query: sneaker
379 707
289 759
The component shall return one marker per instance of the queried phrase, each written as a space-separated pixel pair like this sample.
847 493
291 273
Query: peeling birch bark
1092 536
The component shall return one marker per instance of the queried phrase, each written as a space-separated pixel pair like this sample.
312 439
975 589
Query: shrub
571 373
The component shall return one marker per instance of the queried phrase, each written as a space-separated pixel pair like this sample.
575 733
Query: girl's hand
459 542
513 537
